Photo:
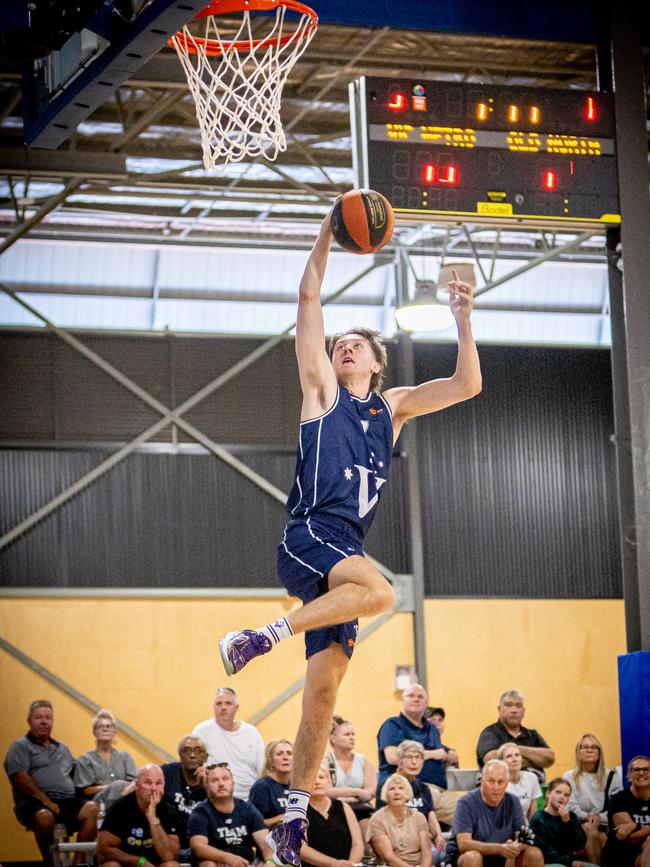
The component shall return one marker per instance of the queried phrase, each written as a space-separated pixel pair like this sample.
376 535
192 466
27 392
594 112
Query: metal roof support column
406 372
625 29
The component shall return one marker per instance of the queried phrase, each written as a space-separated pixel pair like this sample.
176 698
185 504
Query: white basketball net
238 93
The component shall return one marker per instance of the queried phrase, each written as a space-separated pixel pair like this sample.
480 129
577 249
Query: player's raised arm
317 377
409 401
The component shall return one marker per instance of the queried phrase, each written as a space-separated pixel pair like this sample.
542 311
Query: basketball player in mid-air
347 432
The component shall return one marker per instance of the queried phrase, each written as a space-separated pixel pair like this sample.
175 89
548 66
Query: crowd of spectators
215 805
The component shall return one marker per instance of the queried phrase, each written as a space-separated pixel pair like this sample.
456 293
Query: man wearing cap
40 771
235 742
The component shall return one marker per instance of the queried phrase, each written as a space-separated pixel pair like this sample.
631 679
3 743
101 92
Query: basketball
362 221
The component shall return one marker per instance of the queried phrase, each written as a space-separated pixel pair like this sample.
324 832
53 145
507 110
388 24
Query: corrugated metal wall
518 485
519 498
160 520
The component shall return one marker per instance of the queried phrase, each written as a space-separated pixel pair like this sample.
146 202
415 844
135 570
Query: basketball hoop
237 82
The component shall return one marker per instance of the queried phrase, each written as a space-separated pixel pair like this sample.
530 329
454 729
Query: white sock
277 631
297 804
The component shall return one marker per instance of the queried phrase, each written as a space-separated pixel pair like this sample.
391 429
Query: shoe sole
223 652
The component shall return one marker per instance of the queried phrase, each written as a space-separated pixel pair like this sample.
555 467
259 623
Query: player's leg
325 671
355 588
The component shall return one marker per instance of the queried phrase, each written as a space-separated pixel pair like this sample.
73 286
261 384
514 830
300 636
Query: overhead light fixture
429 309
425 312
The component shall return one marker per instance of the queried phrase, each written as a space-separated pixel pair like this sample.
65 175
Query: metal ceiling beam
43 163
555 253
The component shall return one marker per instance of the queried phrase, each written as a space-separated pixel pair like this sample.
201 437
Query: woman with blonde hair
524 785
269 794
353 777
333 835
592 782
398 833
104 774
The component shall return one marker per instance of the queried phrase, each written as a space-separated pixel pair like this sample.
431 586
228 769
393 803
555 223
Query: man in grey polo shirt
40 771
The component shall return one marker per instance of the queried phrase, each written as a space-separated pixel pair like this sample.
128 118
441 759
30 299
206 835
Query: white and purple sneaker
238 648
286 840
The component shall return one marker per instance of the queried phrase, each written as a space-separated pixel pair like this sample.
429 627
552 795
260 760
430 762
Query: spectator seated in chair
40 772
225 830
353 777
593 783
333 835
104 774
488 829
184 787
140 828
522 784
535 752
563 839
269 794
411 725
399 834
438 716
628 844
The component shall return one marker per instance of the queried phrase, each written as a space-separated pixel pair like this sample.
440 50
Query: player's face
511 711
493 786
41 722
353 354
220 783
512 758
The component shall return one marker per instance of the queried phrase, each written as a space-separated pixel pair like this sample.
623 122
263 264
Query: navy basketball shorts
306 554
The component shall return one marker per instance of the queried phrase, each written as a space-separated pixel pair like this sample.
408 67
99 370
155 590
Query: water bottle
60 833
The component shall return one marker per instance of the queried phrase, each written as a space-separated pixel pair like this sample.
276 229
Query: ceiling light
425 312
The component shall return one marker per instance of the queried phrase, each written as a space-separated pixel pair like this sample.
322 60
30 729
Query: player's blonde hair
376 342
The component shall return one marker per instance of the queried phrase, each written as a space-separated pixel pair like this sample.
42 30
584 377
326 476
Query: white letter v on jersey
365 505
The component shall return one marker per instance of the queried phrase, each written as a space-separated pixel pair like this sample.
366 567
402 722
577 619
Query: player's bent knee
384 594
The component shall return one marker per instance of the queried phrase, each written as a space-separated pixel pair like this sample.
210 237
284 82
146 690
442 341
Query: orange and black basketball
362 221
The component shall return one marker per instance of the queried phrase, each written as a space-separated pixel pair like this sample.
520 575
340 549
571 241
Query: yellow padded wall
154 663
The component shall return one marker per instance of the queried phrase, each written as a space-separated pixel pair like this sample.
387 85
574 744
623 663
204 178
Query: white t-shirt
242 749
588 797
526 790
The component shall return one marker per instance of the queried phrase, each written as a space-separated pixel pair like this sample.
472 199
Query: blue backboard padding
634 700
550 20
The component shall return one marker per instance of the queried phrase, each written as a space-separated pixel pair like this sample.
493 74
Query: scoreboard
439 149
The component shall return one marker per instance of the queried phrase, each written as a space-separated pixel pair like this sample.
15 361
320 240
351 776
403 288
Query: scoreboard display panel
486 152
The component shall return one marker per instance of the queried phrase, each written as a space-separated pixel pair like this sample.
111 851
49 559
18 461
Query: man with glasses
628 844
184 787
225 830
233 741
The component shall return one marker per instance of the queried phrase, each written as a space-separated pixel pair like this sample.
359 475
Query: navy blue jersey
343 461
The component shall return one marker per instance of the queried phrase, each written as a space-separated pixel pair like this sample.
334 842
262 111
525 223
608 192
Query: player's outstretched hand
461 298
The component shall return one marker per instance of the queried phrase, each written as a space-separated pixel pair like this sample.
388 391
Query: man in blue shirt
488 824
411 725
